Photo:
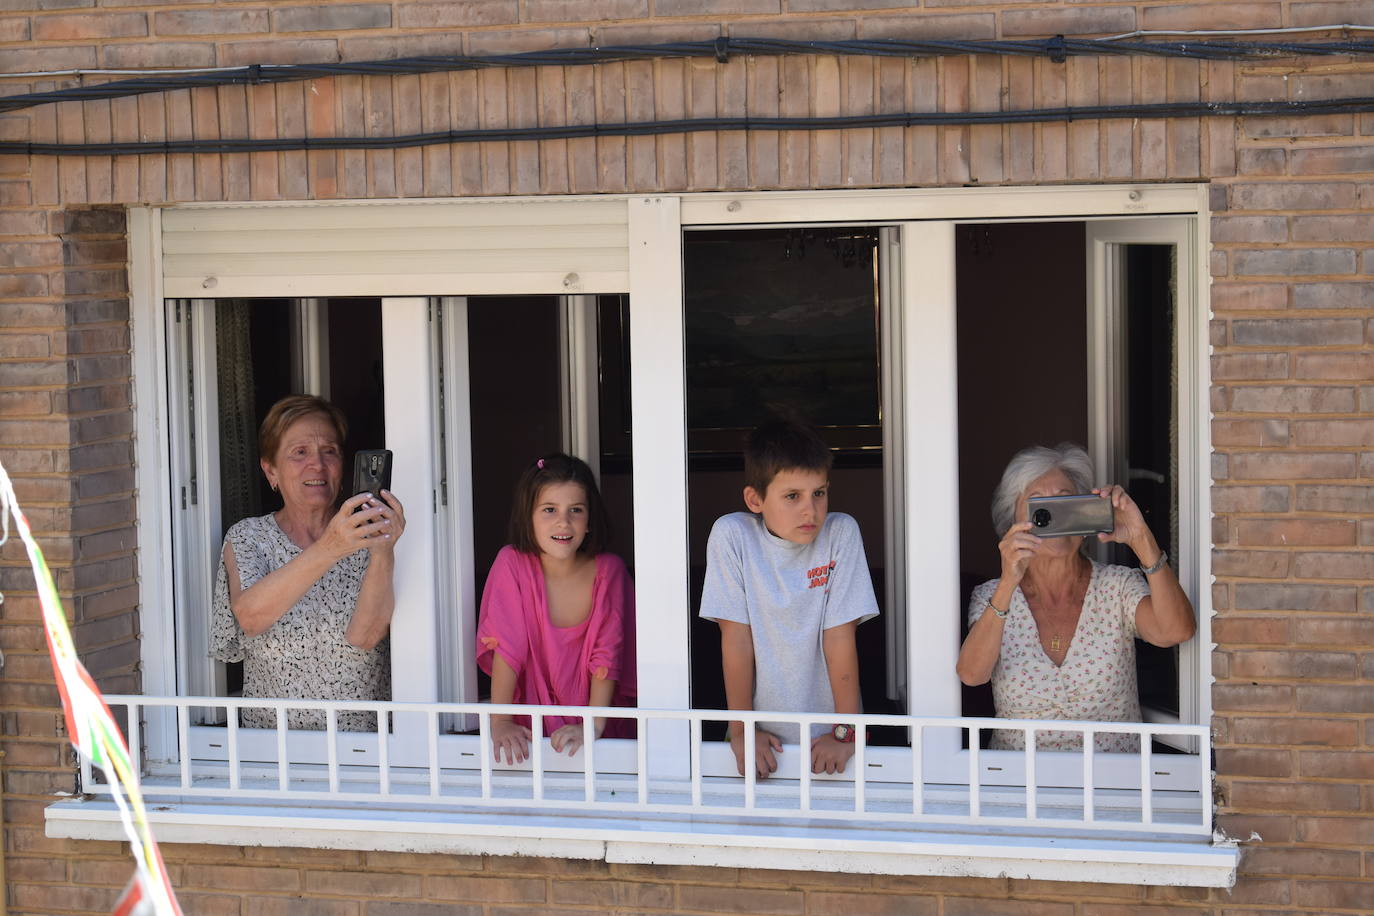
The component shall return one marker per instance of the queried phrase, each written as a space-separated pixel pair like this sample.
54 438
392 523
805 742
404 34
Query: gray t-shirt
788 594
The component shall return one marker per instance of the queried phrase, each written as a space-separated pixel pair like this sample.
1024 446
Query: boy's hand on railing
512 738
766 746
829 755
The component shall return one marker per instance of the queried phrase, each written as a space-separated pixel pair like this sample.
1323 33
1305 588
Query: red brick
1250 499
1297 332
1334 160
485 889
930 27
1272 596
1249 229
1082 21
1333 296
1287 262
1294 797
1262 161
1293 399
1336 895
457 15
1254 663
1328 698
584 10
1230 698
363 884
1289 861
1257 564
613 894
962 906
1337 764
79 26
347 17
1283 731
210 22
240 877
739 900
299 906
1334 566
1254 433
1247 762
1294 195
1334 432
836 904
1293 465
278 51
1333 631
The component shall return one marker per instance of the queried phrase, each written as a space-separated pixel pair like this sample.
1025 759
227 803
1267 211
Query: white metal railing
939 777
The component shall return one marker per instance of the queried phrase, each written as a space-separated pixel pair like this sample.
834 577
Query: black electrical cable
650 128
1056 49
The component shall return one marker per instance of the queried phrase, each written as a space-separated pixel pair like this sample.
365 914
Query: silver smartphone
1061 516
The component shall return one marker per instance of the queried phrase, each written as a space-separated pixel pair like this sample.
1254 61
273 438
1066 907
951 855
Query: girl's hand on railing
512 738
829 755
567 740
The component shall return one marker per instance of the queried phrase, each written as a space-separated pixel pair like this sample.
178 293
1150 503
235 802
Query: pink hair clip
539 464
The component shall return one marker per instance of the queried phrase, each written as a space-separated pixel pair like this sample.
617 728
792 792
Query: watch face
843 732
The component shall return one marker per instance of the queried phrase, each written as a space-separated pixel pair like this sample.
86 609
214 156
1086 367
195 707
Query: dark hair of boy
782 446
554 469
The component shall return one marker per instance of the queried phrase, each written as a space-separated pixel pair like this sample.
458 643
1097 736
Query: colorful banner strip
92 729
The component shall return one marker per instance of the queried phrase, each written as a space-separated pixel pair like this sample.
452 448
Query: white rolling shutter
394 248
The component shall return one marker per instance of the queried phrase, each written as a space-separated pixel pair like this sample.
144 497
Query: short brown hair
783 446
553 469
287 411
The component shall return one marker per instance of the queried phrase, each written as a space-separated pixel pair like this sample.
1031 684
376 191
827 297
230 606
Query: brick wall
1294 321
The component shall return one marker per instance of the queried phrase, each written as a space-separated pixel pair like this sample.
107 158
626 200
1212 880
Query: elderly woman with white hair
1056 632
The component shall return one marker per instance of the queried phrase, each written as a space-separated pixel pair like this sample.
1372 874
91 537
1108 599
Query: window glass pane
784 323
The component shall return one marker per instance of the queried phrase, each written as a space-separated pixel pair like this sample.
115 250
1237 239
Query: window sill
742 842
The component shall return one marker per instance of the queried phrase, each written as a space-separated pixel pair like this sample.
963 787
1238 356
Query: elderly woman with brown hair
1056 632
304 595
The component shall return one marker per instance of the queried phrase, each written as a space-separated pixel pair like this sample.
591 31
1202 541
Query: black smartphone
1061 516
371 471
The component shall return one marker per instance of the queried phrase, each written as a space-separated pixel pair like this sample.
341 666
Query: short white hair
1029 465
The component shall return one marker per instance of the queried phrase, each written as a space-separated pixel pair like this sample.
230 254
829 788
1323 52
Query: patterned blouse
304 655
1097 679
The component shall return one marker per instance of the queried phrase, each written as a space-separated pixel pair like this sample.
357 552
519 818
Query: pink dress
554 665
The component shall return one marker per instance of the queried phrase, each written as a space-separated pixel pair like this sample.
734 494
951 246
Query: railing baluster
642 760
383 752
805 770
231 733
695 728
860 774
974 741
918 778
750 774
135 714
589 759
1146 787
537 756
1032 803
184 742
432 746
283 776
1204 762
484 719
331 736
1089 774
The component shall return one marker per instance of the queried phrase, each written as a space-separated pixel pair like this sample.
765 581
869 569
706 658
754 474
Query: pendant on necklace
1054 643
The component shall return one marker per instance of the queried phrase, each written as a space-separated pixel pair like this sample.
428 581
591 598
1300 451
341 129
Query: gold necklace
1056 640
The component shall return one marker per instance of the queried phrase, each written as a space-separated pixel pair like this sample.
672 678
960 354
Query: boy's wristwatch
843 734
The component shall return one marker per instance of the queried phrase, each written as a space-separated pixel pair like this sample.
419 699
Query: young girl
557 620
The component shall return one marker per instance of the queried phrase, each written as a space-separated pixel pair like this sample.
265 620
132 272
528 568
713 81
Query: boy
788 583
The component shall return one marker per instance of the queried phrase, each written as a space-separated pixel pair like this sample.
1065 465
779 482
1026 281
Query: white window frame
925 221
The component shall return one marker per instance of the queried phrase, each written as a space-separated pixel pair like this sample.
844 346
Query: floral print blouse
1097 679
305 654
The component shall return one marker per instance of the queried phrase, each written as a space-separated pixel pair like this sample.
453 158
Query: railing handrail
860 796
